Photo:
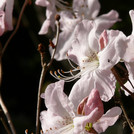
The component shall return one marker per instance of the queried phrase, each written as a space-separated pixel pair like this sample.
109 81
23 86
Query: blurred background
22 67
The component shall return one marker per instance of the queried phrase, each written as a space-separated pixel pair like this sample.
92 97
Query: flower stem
4 122
126 116
45 68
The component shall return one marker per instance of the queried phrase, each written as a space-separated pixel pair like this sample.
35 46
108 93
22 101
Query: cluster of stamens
88 64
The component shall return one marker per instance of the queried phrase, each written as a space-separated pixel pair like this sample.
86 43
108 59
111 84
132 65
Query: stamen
70 62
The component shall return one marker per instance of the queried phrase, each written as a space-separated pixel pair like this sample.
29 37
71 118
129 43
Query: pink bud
88 104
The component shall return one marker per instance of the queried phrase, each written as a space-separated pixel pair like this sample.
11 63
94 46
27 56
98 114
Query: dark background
22 67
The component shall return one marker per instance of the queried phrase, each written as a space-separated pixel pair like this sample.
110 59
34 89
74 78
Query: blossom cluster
87 41
94 51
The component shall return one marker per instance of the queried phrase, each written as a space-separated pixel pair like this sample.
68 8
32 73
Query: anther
26 131
51 72
62 71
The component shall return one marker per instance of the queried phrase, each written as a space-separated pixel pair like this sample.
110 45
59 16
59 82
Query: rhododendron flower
6 9
68 24
70 17
51 11
95 56
62 117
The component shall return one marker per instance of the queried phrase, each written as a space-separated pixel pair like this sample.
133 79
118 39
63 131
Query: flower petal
80 122
90 8
2 22
42 2
109 56
93 102
57 101
107 119
131 13
51 122
102 80
105 21
8 14
80 47
68 24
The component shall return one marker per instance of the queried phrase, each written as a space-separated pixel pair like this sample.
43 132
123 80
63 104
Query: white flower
61 116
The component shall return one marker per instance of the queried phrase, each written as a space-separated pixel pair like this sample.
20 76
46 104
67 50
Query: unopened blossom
125 48
6 9
61 116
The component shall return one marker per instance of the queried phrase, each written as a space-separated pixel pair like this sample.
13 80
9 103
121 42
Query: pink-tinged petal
57 101
81 106
131 13
103 40
80 122
68 24
2 22
80 46
109 56
90 8
107 119
102 80
43 3
94 101
2 4
88 104
45 26
105 21
8 14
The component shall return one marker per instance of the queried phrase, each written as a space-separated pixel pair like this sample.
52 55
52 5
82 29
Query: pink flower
6 9
51 11
95 55
70 17
62 117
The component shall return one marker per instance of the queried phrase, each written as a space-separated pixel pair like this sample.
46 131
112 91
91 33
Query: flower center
90 63
87 65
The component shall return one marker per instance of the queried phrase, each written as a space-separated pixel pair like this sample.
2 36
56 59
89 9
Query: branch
45 68
114 71
17 26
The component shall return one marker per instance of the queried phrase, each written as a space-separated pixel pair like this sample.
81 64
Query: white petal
2 22
107 119
8 14
57 101
131 13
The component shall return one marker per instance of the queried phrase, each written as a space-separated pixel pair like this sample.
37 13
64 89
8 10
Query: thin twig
45 68
4 122
125 114
3 106
16 28
7 115
43 73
